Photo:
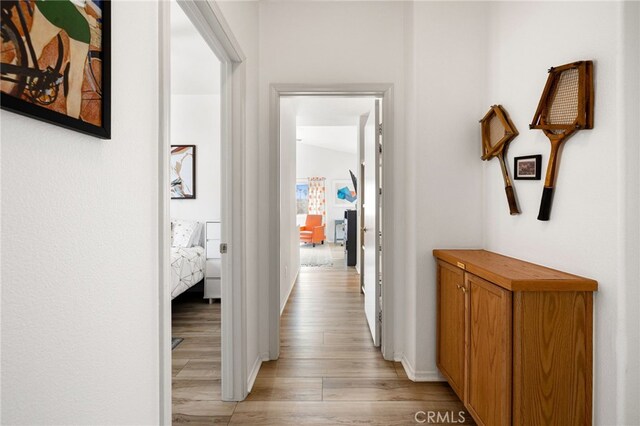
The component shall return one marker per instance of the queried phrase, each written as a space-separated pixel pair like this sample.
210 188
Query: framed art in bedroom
55 63
183 172
344 193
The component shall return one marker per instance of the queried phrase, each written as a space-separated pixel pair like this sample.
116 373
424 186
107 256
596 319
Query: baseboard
420 375
293 284
253 374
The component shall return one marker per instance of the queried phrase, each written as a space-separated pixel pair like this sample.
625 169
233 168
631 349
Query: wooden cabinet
515 339
489 357
451 333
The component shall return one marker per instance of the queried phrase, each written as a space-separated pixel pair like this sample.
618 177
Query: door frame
384 92
209 21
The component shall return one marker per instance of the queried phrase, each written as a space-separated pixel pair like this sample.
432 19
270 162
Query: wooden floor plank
286 389
203 408
341 389
196 388
341 413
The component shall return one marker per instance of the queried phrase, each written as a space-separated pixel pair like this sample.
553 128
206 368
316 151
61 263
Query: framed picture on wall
183 172
344 193
55 63
527 167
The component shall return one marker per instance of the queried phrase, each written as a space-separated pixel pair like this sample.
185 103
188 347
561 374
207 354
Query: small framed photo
183 171
527 167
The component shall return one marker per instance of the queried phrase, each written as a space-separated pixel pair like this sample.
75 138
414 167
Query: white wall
587 229
195 120
80 280
313 161
446 82
289 231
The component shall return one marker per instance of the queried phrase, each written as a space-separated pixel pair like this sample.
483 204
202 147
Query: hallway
328 371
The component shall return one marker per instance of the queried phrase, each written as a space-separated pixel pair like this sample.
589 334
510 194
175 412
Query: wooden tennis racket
497 132
566 106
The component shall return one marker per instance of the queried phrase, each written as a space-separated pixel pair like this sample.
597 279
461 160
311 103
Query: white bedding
187 268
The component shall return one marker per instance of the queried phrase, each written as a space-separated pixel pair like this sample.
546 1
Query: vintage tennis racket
497 132
565 107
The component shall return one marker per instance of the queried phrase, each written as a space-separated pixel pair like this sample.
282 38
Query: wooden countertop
513 274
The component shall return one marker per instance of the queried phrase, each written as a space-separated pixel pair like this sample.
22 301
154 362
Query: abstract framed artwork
56 62
344 192
527 167
183 172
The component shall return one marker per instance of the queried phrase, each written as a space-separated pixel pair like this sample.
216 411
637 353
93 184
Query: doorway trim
210 23
384 92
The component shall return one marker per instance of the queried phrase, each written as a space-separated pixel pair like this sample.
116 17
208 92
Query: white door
371 229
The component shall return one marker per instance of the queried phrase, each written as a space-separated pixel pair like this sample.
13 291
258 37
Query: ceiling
195 69
330 122
337 138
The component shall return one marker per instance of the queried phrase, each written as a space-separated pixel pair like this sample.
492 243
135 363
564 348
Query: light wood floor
328 373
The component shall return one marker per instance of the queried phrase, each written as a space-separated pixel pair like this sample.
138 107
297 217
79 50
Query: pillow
196 236
182 232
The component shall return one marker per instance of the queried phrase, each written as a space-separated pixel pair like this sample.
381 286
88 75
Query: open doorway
327 168
195 209
221 238
331 211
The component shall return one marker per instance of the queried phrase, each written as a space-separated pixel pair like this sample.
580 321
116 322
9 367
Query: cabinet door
451 326
488 395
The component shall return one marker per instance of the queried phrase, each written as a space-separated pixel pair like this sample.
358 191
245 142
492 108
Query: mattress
187 268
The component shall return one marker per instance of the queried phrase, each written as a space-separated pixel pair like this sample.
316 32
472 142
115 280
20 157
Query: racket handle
545 204
511 198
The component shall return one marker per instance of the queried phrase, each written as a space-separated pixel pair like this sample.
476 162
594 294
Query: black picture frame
521 173
26 108
193 172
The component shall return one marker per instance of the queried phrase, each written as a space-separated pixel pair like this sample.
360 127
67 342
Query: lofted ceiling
330 122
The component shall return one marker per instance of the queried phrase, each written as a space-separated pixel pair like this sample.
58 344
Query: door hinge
380 316
380 191
380 148
380 129
223 248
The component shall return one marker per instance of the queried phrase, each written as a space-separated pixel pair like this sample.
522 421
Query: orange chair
313 230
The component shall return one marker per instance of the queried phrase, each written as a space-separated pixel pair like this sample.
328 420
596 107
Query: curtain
317 196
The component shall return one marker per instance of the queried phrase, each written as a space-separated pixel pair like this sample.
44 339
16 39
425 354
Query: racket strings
496 130
563 106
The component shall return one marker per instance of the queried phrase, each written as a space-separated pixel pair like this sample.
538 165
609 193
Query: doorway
196 225
327 166
227 234
284 99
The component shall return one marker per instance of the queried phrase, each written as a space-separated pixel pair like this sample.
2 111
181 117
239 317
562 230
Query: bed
187 256
187 268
